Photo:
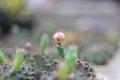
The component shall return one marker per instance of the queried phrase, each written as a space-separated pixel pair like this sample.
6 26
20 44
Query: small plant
2 57
47 66
44 42
59 40
18 59
71 58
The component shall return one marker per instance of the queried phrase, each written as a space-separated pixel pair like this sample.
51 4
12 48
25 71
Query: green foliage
47 66
2 57
18 59
44 42
71 57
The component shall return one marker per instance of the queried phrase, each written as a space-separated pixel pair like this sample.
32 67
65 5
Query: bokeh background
93 25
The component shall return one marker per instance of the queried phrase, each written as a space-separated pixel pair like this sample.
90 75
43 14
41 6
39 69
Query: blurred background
93 25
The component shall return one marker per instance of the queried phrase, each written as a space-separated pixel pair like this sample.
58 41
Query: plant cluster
61 65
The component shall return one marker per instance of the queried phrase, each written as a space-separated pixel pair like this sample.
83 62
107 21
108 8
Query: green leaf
2 57
71 57
18 59
44 42
61 51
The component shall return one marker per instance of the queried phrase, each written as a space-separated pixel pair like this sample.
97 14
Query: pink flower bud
59 38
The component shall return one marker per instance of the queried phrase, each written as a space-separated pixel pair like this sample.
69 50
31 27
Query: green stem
61 51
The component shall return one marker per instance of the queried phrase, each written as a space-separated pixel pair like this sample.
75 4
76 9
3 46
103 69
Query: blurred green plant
47 66
18 59
62 71
2 57
71 57
44 42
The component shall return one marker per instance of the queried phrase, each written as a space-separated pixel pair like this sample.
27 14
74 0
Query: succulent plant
44 42
47 66
59 40
2 57
71 57
18 59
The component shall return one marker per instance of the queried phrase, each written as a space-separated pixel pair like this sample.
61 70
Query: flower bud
59 38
